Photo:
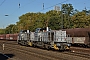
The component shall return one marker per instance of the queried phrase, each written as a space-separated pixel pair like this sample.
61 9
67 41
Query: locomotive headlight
68 44
58 44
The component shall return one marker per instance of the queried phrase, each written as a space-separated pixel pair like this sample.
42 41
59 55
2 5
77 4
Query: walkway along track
43 55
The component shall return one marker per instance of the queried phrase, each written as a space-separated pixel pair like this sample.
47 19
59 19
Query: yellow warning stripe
55 47
30 43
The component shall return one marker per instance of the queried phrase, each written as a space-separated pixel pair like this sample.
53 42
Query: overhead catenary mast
43 6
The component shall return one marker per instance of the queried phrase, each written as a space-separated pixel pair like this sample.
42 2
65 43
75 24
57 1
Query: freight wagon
2 36
44 38
11 37
79 36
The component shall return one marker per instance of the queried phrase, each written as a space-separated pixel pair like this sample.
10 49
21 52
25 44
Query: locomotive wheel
47 47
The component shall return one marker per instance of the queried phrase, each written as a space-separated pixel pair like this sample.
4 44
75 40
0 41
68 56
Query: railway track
41 55
85 55
36 54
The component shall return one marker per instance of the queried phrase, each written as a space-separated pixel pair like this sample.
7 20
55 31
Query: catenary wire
54 5
2 2
20 7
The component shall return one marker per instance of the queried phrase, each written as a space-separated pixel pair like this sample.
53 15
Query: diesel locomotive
44 38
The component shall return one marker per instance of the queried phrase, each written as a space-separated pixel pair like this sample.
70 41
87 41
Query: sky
14 11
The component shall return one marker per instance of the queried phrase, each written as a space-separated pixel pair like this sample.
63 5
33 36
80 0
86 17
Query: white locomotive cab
60 36
32 36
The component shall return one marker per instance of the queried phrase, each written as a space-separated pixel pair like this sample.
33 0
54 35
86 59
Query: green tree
81 20
53 19
10 29
2 31
67 12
